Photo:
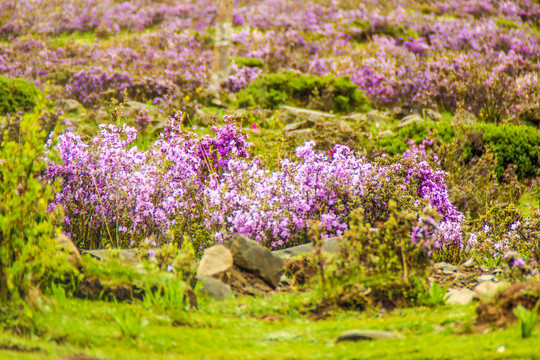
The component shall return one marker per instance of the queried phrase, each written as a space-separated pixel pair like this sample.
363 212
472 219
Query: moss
326 93
17 94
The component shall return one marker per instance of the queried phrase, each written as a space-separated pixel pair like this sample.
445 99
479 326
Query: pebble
469 263
486 277
462 296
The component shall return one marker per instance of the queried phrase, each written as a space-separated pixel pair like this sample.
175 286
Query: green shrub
417 132
17 94
327 93
513 144
28 256
249 62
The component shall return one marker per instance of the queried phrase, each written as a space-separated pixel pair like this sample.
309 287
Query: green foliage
249 62
170 295
417 131
387 248
27 232
527 319
435 296
17 94
130 323
513 144
327 93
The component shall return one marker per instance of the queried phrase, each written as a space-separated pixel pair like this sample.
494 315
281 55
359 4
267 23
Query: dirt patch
17 348
301 270
79 357
499 311
94 289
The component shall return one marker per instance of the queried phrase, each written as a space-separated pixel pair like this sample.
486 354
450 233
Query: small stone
70 106
289 114
448 271
66 245
215 260
359 335
459 296
484 268
486 277
299 126
497 271
303 134
386 133
469 263
216 289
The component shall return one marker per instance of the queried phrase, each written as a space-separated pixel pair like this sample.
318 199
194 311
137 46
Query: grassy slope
266 328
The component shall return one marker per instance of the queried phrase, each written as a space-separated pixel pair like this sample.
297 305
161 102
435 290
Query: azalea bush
185 184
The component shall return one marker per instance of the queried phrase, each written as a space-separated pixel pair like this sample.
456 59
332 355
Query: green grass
240 329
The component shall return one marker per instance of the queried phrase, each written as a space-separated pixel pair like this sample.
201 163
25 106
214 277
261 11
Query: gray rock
128 256
331 246
132 108
487 289
386 133
215 260
359 335
465 117
375 116
299 125
360 118
459 296
289 114
408 120
255 258
70 106
66 245
216 289
445 268
469 263
203 118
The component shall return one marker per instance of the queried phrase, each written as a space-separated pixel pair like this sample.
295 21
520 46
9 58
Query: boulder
70 106
331 246
289 115
408 120
216 259
302 134
487 290
216 289
459 296
299 125
66 245
253 257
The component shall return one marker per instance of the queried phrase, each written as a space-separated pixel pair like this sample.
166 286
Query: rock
66 245
216 289
486 277
497 271
433 115
203 118
101 116
468 264
289 114
445 268
304 134
70 106
463 116
215 260
132 108
386 133
128 256
299 125
253 257
358 335
462 296
331 246
375 116
360 118
487 289
408 120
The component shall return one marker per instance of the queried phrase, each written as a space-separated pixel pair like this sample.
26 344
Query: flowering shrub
184 182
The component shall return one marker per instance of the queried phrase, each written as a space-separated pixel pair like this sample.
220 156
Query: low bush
327 93
27 232
17 95
514 144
